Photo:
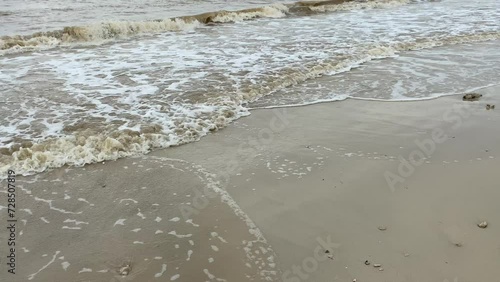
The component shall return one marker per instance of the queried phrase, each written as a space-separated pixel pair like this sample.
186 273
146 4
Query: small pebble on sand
377 265
482 224
472 97
125 270
382 228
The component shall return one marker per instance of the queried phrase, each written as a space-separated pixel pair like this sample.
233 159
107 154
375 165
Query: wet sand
315 180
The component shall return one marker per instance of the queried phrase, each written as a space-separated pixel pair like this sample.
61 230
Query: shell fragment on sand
482 224
472 97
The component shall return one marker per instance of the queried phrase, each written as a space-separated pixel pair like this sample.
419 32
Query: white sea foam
163 269
33 275
360 5
79 150
272 11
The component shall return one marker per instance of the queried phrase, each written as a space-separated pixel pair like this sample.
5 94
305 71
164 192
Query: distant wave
5 13
105 31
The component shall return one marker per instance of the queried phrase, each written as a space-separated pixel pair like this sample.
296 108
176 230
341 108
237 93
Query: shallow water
130 87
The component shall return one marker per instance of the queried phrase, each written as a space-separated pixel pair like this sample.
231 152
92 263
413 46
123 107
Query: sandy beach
235 141
344 191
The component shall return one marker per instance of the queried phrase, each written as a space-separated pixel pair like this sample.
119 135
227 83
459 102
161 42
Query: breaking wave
105 31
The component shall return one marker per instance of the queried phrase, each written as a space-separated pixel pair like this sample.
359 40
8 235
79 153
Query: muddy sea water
88 81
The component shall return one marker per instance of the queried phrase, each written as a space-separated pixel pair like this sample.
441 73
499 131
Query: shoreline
112 145
376 99
95 142
311 179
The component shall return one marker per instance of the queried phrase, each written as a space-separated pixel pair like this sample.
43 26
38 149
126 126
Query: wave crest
104 31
